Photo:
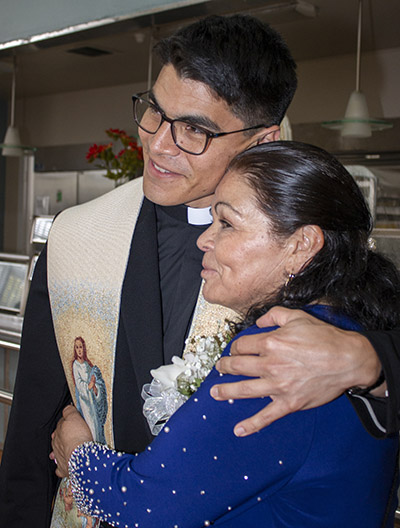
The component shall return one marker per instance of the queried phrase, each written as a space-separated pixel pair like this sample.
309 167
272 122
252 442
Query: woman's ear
305 244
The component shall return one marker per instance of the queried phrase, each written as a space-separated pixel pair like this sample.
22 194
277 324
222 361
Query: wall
328 83
63 125
324 89
76 117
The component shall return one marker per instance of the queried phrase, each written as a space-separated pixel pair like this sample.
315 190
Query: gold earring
289 279
291 276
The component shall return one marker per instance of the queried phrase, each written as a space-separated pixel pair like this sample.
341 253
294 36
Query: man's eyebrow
201 121
153 100
195 120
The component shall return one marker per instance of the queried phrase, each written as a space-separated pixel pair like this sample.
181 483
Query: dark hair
298 184
244 61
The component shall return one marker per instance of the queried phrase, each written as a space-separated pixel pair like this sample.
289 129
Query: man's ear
305 244
266 135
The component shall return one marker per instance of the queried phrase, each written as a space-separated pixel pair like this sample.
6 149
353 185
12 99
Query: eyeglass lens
187 137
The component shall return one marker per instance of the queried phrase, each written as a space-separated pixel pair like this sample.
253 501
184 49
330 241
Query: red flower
132 145
102 148
92 153
117 131
126 164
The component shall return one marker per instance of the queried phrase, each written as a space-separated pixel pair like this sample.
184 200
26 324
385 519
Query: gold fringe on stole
208 319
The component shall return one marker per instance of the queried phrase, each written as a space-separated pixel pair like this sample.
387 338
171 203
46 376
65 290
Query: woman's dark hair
298 184
244 61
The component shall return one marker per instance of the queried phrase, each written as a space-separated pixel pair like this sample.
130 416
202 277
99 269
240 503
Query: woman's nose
205 242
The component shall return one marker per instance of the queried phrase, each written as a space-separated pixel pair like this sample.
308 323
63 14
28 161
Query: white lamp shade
357 123
12 143
356 120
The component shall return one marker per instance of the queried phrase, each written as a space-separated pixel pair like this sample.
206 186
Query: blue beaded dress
313 468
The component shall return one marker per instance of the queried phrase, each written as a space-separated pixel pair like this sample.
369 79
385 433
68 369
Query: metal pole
358 67
13 88
150 57
6 397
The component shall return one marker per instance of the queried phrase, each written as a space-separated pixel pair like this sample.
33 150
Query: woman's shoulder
324 312
333 316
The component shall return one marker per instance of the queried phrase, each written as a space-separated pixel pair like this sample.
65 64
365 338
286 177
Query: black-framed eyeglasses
190 138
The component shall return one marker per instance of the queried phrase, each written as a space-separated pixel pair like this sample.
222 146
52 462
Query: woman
291 228
90 390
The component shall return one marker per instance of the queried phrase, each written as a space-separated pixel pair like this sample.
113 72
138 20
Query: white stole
88 251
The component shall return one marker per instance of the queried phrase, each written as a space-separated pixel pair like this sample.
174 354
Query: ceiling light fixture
284 11
356 122
12 142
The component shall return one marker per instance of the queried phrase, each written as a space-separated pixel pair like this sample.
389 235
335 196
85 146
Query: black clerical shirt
179 267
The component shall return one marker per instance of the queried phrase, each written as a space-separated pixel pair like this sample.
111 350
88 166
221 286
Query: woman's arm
196 470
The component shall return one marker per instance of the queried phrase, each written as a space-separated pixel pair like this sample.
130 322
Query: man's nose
162 141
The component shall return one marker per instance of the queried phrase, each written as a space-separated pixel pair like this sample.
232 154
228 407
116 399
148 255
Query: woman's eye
225 224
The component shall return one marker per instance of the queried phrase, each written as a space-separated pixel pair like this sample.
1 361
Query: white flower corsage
173 384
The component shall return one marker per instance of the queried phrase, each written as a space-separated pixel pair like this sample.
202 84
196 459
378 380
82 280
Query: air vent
89 51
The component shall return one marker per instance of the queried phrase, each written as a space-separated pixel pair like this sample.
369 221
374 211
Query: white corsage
166 374
173 384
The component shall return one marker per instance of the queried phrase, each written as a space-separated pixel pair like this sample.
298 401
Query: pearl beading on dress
85 455
122 492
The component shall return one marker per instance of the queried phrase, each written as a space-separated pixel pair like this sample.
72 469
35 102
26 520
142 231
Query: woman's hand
70 432
303 364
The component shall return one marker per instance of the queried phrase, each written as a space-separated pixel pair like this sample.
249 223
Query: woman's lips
207 272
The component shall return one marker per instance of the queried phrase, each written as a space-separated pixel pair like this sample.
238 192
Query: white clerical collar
200 216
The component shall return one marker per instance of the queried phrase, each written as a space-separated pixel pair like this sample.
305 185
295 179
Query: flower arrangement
198 364
173 384
121 165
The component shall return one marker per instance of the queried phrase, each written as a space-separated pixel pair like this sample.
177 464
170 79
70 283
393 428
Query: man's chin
160 196
173 193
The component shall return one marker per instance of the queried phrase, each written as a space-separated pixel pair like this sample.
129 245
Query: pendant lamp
12 143
356 122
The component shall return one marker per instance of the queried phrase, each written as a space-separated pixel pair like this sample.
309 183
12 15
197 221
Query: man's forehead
183 98
189 115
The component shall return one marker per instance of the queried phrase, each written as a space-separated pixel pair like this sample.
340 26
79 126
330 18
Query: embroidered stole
88 250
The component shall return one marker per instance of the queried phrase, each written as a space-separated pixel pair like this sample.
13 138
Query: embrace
116 294
290 228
